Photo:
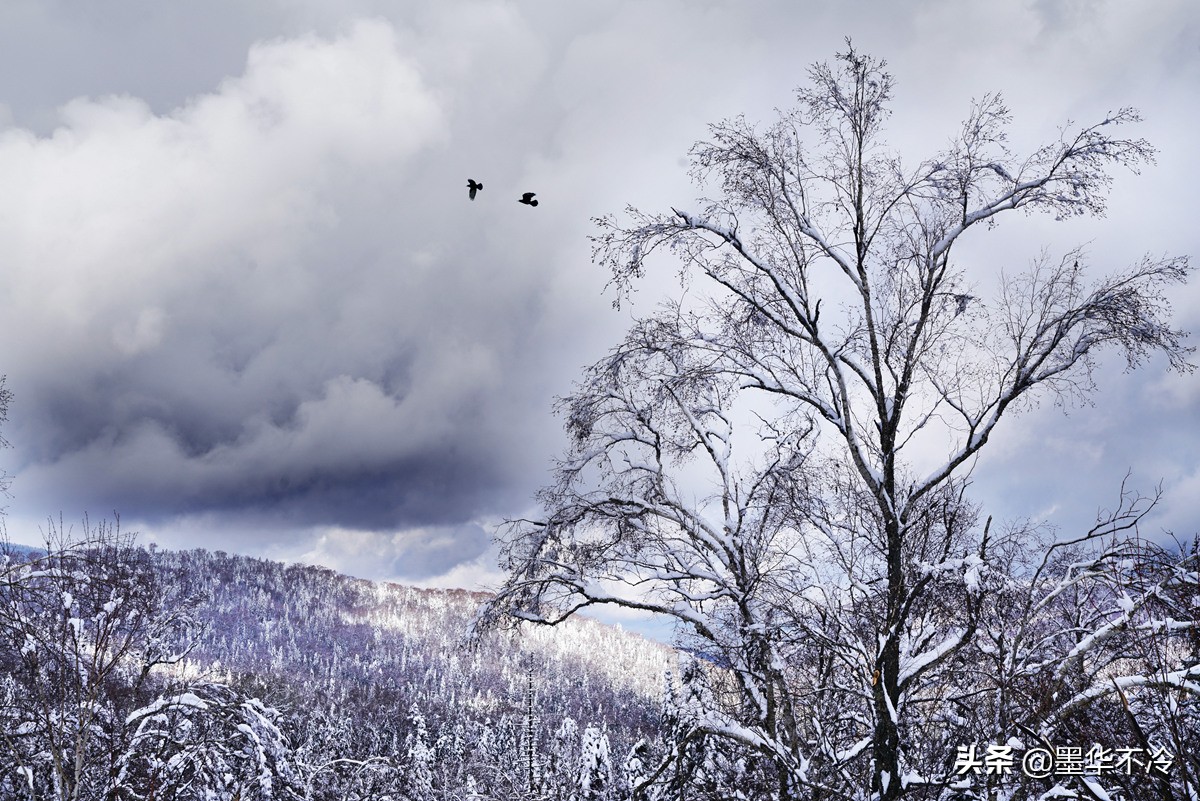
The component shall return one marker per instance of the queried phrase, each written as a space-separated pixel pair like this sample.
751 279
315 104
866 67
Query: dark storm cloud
149 468
245 301
261 300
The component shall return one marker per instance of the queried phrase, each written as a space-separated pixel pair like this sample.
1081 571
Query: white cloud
252 305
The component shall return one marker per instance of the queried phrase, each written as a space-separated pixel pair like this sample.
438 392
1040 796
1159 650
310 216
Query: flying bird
474 187
527 199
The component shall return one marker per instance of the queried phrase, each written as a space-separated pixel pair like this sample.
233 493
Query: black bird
474 187
527 199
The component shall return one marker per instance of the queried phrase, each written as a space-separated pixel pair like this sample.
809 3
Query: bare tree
90 635
81 630
753 460
1097 646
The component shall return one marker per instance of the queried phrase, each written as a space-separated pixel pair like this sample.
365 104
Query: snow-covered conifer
595 766
421 758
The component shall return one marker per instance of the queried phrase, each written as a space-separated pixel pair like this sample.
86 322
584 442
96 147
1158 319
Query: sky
246 304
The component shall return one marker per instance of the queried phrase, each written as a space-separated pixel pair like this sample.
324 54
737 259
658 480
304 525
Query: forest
151 674
134 673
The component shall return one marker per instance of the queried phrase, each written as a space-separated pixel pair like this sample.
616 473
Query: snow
914 664
183 699
973 568
1095 788
853 751
875 476
891 709
1187 679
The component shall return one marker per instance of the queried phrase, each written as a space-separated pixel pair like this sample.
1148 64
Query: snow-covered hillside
245 678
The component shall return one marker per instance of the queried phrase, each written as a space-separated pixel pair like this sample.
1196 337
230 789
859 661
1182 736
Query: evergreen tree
595 767
421 758
638 770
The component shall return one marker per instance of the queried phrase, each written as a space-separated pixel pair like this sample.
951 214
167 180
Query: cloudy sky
245 302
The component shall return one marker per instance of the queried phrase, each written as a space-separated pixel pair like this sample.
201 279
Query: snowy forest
149 674
778 459
136 674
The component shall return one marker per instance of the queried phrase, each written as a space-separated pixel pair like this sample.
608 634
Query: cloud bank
245 302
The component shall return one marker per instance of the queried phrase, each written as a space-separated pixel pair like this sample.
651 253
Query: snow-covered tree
562 761
595 766
530 759
82 628
756 459
638 772
208 742
421 758
701 766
